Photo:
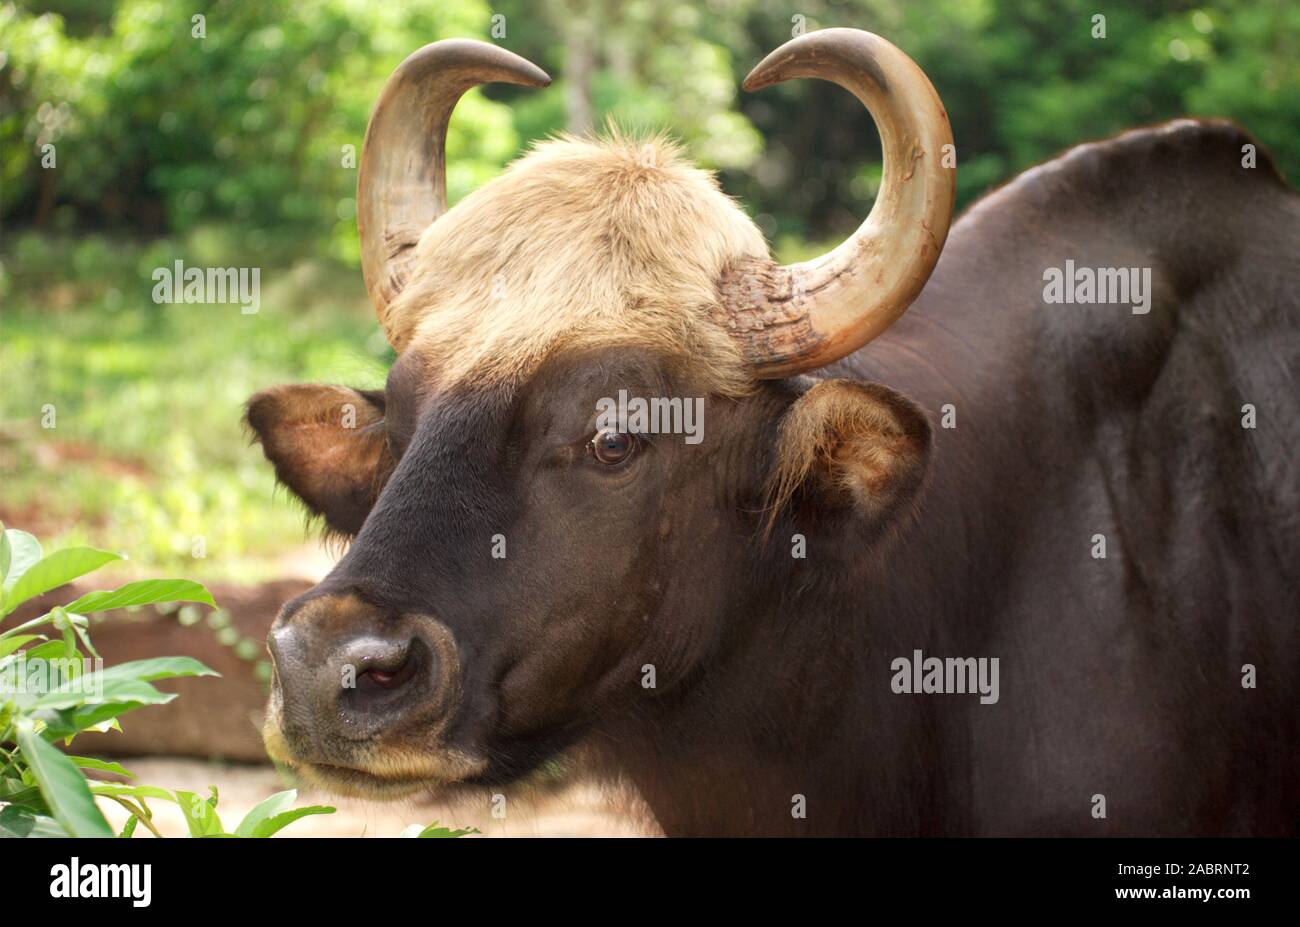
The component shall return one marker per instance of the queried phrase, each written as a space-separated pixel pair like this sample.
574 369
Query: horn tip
523 71
766 73
529 74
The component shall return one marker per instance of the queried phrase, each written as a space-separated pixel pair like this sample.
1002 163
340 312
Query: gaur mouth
387 774
357 783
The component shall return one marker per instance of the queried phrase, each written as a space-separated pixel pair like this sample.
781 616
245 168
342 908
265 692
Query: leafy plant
44 791
263 819
437 830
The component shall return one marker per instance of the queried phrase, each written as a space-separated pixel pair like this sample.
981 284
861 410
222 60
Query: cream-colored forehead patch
580 242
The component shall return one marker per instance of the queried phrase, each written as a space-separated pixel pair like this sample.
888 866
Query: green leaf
47 828
16 822
63 786
200 815
20 822
275 814
85 638
279 822
64 723
6 554
157 668
128 829
82 691
10 785
16 792
132 791
110 724
50 650
24 550
70 651
119 684
144 592
89 762
58 568
10 644
267 808
437 830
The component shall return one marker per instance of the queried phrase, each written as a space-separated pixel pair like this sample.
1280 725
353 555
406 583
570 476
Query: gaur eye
612 447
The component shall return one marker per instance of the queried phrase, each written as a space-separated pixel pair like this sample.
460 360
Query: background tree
159 131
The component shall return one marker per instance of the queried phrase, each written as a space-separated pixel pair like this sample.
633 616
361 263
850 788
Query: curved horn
804 316
402 182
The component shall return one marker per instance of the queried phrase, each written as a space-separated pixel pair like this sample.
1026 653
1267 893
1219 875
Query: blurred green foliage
1021 80
238 147
125 428
156 130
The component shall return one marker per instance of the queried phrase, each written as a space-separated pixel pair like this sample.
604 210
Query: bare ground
577 809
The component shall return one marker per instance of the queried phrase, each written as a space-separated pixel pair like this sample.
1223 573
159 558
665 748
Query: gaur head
518 556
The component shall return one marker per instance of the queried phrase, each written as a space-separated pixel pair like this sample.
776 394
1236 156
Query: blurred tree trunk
579 65
46 197
578 21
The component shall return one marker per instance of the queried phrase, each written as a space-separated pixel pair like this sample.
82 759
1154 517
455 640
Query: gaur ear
858 447
328 445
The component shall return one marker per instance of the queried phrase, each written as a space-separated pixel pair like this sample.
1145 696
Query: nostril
388 678
371 685
375 671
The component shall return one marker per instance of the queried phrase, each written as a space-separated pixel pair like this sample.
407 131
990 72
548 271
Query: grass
146 451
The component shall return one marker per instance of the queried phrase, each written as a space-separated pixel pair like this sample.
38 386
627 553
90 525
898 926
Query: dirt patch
50 455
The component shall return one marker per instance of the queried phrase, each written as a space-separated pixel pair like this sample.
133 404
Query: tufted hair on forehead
579 243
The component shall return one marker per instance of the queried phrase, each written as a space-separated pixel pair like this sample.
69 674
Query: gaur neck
762 728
